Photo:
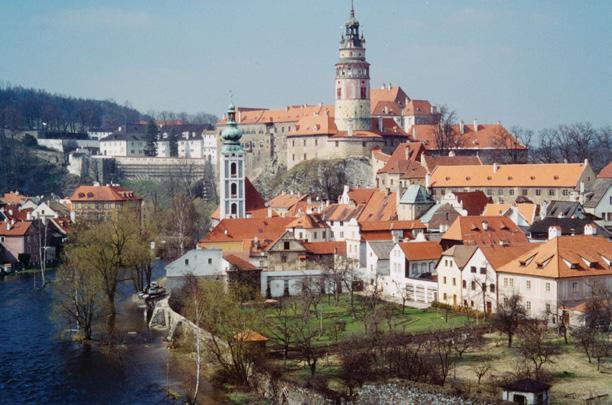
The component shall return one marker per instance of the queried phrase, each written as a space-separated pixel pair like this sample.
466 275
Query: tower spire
352 9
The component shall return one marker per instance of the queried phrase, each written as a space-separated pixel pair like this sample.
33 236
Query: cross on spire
352 9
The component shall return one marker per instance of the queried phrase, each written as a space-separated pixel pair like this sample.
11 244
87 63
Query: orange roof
487 136
380 155
527 210
341 212
103 193
308 221
265 230
421 250
250 336
380 207
565 256
13 198
404 160
326 248
497 255
286 201
291 113
472 201
517 175
605 173
390 94
386 107
17 229
390 225
361 195
315 125
471 231
417 107
238 262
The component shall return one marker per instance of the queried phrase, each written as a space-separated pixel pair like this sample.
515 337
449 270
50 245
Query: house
412 271
402 168
310 228
564 209
606 172
540 230
101 203
284 202
526 391
522 214
20 242
557 274
466 202
438 219
505 182
414 203
450 272
377 258
483 231
206 263
598 201
342 221
123 144
430 162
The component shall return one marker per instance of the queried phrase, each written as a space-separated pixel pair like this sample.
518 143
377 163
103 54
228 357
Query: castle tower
352 108
232 198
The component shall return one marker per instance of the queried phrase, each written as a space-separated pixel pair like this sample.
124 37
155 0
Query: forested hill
22 108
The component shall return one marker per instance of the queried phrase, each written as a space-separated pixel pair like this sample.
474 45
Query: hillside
322 178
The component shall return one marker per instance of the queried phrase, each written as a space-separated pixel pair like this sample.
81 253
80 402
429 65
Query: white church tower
232 198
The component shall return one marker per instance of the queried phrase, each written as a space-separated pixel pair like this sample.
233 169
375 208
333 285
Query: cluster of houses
33 229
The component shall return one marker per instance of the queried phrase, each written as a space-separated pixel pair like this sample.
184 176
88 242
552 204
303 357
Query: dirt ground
573 378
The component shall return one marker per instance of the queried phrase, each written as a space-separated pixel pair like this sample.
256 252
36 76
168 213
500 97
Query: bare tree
534 346
180 222
403 293
465 339
509 316
356 364
306 332
481 369
512 146
445 135
279 324
441 349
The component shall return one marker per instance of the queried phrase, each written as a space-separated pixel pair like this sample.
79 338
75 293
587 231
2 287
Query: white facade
209 146
118 147
231 186
449 281
604 209
403 276
479 284
198 262
347 231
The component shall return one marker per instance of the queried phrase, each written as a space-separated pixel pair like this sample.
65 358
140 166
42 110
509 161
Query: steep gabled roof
498 256
568 226
401 158
326 248
488 136
473 202
606 172
471 230
461 253
416 194
565 257
598 190
381 248
14 230
265 230
308 221
286 201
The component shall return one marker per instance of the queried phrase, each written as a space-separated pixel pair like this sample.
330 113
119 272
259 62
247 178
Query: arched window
234 190
233 169
234 209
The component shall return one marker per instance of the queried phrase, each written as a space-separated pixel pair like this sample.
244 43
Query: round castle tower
352 108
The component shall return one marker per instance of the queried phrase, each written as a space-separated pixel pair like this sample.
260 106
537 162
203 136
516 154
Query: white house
558 274
450 273
377 259
599 201
123 144
412 266
200 263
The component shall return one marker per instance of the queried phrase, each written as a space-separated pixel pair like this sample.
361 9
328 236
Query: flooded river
36 367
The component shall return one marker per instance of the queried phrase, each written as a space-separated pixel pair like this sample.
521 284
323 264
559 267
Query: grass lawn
410 320
571 371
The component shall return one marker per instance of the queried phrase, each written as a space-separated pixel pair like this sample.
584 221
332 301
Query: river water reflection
36 367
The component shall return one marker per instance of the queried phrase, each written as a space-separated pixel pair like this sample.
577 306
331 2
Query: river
37 367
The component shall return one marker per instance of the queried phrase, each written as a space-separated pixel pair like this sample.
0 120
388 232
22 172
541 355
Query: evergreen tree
151 145
173 143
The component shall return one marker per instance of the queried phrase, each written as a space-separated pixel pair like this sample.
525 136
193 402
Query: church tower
352 108
232 198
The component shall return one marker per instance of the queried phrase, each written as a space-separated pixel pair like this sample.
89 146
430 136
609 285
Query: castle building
232 176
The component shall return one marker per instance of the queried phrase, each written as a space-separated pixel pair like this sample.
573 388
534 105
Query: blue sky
534 64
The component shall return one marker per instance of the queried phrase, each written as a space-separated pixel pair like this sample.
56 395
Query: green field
329 313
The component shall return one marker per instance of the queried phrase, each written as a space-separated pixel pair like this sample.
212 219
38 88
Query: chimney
8 225
414 132
554 232
428 181
462 127
590 229
269 212
475 124
29 216
485 226
12 222
380 124
451 153
495 167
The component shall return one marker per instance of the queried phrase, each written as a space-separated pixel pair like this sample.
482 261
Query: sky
526 63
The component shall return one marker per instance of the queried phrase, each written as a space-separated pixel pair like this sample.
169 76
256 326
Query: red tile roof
471 231
390 225
474 202
431 162
13 198
244 230
286 201
238 262
16 229
361 195
326 248
103 193
404 160
421 250
417 108
487 136
606 172
308 221
255 205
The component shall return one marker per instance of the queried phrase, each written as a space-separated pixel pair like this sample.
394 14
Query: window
338 92
234 190
551 191
186 262
286 245
483 270
316 142
293 142
293 157
565 192
305 158
511 282
547 287
505 300
472 304
489 191
444 296
454 281
574 285
524 191
304 142
209 260
283 258
473 285
464 284
492 288
337 144
363 92
511 192
233 169
363 144
444 280
548 308
500 191
538 192
529 284
528 305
